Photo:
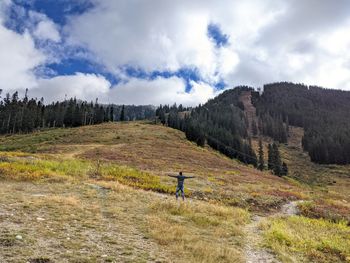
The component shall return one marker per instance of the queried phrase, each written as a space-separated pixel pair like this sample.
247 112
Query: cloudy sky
166 51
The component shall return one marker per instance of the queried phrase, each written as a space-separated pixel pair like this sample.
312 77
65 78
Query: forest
28 114
323 113
220 123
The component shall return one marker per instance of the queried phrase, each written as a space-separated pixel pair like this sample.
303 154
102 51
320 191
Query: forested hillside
323 113
223 125
220 122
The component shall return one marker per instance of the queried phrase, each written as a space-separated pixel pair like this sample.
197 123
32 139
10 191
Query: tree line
28 114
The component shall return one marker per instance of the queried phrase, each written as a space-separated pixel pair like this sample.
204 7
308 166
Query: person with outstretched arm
180 184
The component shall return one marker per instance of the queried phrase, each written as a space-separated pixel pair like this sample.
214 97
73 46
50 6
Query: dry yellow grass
199 231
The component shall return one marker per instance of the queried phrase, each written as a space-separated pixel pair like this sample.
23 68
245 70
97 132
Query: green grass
133 177
304 239
28 169
34 141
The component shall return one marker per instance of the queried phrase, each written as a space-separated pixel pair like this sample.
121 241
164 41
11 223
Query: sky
166 51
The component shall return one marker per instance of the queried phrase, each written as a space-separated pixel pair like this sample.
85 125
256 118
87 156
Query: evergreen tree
277 164
261 163
274 161
254 128
284 169
271 157
111 113
122 114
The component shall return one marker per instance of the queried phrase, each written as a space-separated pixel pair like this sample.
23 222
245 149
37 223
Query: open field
101 194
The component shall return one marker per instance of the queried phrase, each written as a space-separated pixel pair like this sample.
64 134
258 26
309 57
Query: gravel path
253 252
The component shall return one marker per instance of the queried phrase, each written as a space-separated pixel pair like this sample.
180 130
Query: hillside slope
161 150
101 194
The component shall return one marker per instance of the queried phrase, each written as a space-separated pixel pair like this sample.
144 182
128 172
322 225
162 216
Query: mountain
229 121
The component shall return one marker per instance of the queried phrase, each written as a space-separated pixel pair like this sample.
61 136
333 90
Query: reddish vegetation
285 194
321 209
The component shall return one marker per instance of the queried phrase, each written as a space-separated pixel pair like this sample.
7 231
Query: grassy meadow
101 194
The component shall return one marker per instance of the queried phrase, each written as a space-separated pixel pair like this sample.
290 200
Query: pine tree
277 164
261 156
111 113
284 169
122 114
271 158
254 128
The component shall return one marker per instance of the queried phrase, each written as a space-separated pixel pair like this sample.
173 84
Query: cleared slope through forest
249 109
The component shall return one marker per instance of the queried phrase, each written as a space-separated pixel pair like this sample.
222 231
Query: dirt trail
249 109
253 251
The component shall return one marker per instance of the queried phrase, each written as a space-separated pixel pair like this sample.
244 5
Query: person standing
180 184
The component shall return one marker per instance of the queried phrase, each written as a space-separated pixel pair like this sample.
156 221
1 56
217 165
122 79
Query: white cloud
160 91
134 91
164 35
18 58
47 30
82 86
269 40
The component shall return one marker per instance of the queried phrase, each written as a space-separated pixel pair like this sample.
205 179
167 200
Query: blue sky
169 51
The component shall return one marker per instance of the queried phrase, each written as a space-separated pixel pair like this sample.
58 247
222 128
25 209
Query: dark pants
178 189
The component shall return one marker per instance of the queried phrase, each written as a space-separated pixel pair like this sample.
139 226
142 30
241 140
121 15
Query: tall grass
133 177
199 231
315 240
30 168
25 169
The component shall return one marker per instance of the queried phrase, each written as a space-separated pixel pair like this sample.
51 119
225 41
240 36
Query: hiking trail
253 251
